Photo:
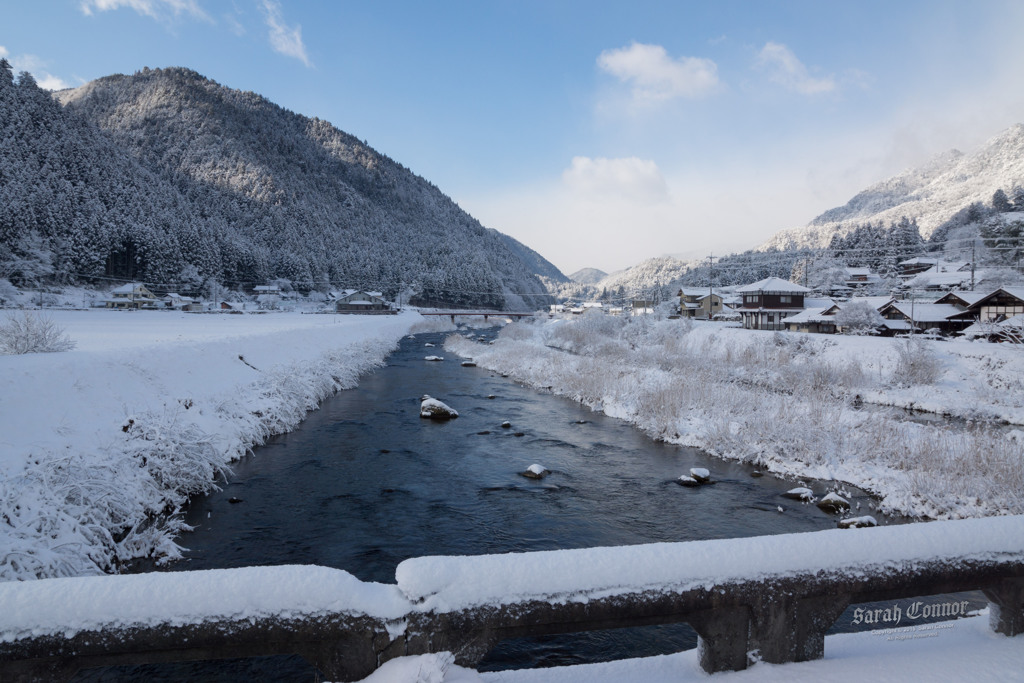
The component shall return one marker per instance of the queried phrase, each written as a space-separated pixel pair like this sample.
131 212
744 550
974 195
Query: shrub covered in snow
32 332
916 363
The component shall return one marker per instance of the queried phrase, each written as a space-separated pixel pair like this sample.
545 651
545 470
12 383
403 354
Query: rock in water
700 474
799 493
468 364
834 503
857 522
687 480
433 358
436 410
535 471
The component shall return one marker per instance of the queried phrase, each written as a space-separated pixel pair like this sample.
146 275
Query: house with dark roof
767 303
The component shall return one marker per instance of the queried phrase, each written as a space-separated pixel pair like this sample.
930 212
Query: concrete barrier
770 596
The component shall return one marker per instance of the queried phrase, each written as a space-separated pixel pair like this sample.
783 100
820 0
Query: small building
701 304
911 316
359 301
178 302
767 303
814 320
861 277
1004 303
133 295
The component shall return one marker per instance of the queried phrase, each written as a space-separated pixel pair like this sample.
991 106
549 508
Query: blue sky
598 133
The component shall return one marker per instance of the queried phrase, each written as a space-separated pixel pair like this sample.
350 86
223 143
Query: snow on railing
776 595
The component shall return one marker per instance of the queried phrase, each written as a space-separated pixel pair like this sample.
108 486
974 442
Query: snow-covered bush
915 363
32 333
859 317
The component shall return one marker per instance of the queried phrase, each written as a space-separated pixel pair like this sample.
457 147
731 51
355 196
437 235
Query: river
365 483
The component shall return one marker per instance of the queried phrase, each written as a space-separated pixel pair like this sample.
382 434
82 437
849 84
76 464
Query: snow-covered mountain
931 194
171 178
588 276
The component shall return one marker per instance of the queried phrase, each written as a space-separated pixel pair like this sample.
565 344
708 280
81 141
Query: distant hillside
588 276
931 194
168 177
535 263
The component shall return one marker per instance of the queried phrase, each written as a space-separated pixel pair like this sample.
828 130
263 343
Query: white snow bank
70 605
98 442
433 668
962 650
453 583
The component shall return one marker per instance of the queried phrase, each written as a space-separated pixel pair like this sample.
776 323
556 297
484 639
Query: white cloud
157 9
785 69
283 38
35 66
654 76
629 178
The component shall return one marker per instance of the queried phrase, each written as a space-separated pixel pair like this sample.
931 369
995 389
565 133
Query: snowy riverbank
792 403
99 443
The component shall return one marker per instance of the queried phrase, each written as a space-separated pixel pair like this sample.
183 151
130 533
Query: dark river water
365 483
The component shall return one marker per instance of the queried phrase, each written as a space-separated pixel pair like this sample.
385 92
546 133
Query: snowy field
804 406
100 445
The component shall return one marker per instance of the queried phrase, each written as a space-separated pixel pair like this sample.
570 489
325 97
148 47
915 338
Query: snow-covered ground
805 406
99 444
962 650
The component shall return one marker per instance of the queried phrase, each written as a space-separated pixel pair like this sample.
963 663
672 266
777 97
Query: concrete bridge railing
775 596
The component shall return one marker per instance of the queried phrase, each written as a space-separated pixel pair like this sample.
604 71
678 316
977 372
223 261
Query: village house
821 320
701 304
912 316
767 303
181 303
359 301
1004 303
861 277
133 295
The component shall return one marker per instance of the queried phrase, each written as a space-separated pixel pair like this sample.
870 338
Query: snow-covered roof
926 313
875 302
811 315
967 297
823 302
774 285
980 329
696 291
931 278
128 288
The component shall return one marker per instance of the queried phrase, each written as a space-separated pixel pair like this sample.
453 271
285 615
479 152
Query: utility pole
711 283
972 265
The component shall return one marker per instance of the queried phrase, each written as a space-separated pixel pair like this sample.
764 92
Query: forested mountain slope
930 194
171 178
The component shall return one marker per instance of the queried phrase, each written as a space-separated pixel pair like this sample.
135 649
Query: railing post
784 628
722 638
1006 607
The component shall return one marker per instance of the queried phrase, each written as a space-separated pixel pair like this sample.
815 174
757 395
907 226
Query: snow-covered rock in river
687 480
834 503
799 493
700 474
436 410
506 425
536 471
468 364
434 358
857 522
